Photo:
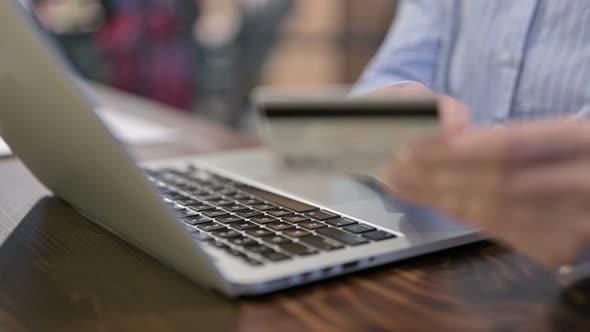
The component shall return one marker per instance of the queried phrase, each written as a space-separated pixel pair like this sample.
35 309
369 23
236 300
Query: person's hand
454 114
527 185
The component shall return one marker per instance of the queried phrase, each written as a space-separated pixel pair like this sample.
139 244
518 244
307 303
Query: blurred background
206 56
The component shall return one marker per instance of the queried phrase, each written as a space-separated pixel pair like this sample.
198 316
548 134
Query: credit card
341 134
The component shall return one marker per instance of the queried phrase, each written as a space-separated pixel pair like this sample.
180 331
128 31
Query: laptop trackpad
363 198
359 197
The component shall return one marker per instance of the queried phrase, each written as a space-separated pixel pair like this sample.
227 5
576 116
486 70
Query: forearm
411 48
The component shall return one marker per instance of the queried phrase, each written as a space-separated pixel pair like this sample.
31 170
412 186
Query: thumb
454 115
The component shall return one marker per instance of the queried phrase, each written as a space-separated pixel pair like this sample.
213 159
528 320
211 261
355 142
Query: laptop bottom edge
364 264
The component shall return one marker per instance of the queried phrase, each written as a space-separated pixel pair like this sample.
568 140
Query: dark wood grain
61 272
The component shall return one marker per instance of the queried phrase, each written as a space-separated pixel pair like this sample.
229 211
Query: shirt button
505 57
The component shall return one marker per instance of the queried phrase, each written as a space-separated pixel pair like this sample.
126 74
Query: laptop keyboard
254 225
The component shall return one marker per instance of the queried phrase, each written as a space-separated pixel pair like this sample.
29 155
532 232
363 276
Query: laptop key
296 233
228 219
180 196
249 213
258 249
235 208
259 232
239 196
200 207
321 215
252 261
180 214
216 187
242 225
297 249
320 243
221 179
196 220
275 239
175 196
262 220
211 197
242 241
198 192
279 213
226 234
340 222
235 253
210 227
250 201
378 235
202 184
264 207
359 228
228 191
221 202
183 185
280 226
342 236
311 225
215 213
188 202
296 219
275 256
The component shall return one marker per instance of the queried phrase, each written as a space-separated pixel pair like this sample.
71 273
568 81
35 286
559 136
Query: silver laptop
230 221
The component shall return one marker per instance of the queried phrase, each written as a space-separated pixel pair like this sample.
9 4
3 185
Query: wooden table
61 272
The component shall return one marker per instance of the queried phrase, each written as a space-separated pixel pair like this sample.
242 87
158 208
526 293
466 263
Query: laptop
230 221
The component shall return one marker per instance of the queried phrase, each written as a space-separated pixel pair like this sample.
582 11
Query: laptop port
349 266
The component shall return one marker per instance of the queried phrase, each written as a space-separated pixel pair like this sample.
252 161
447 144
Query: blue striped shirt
506 59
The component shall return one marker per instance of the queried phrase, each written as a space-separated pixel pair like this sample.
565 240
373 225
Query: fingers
548 141
446 166
474 148
526 184
567 180
550 231
510 146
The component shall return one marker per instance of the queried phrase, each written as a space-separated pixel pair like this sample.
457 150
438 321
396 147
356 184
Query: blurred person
203 54
140 46
148 51
72 23
525 183
235 39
